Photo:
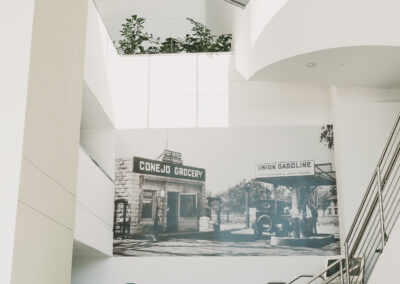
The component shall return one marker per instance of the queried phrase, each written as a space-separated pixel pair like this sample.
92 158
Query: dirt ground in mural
250 247
189 247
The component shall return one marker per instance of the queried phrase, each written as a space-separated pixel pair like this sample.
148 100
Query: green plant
136 41
202 40
134 38
171 45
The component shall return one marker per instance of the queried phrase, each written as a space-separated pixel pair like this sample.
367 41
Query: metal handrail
320 275
304 276
375 217
368 230
297 278
373 177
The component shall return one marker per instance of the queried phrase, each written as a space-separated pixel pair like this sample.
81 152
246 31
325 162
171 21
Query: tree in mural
234 199
326 136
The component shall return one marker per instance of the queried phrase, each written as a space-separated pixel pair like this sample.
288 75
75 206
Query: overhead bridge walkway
372 225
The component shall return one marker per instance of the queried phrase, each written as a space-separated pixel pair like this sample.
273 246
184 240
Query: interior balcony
323 42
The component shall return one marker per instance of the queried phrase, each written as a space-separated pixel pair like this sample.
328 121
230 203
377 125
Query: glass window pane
173 74
213 111
188 205
147 204
147 209
172 111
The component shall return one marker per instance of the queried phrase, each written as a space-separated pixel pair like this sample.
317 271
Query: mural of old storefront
226 192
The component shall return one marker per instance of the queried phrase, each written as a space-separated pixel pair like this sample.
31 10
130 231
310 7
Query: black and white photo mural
254 191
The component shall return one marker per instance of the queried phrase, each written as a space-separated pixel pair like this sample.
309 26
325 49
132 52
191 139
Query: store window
188 205
147 204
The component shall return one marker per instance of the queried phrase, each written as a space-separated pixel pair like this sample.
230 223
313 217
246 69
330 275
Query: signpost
172 157
285 169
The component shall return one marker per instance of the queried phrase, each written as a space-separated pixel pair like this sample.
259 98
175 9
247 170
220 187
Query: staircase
373 223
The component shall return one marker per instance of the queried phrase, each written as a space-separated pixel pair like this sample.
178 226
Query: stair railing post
346 253
382 218
341 271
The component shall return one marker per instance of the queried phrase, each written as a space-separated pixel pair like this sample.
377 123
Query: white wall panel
172 111
93 231
388 264
95 191
95 206
44 195
173 74
213 111
99 144
262 104
96 60
215 270
213 73
43 249
46 209
14 70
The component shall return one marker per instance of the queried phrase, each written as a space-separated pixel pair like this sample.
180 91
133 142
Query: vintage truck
272 217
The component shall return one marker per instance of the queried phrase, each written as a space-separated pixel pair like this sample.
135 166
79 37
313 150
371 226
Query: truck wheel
264 224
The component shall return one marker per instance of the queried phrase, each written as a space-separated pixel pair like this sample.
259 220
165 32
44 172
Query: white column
16 32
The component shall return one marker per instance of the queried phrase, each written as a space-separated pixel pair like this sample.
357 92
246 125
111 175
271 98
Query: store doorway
172 215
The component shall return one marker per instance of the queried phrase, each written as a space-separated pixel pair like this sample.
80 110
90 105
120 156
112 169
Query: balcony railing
374 221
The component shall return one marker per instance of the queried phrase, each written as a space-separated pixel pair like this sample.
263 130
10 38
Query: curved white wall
94 206
269 31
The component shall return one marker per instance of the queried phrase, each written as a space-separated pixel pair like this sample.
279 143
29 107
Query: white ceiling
364 66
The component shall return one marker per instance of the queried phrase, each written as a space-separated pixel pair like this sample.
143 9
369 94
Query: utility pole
246 195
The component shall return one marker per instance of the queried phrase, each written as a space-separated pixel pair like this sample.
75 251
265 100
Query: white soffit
364 66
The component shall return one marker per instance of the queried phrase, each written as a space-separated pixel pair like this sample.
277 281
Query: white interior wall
96 60
388 263
95 206
363 119
199 270
278 104
147 92
358 114
46 205
14 70
274 104
251 103
95 189
99 144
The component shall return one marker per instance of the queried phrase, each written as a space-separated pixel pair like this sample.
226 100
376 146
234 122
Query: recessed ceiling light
311 65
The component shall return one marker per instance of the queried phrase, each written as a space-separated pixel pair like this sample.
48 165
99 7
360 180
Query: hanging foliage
136 41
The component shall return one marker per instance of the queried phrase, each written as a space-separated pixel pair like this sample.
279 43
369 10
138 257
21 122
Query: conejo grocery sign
158 168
